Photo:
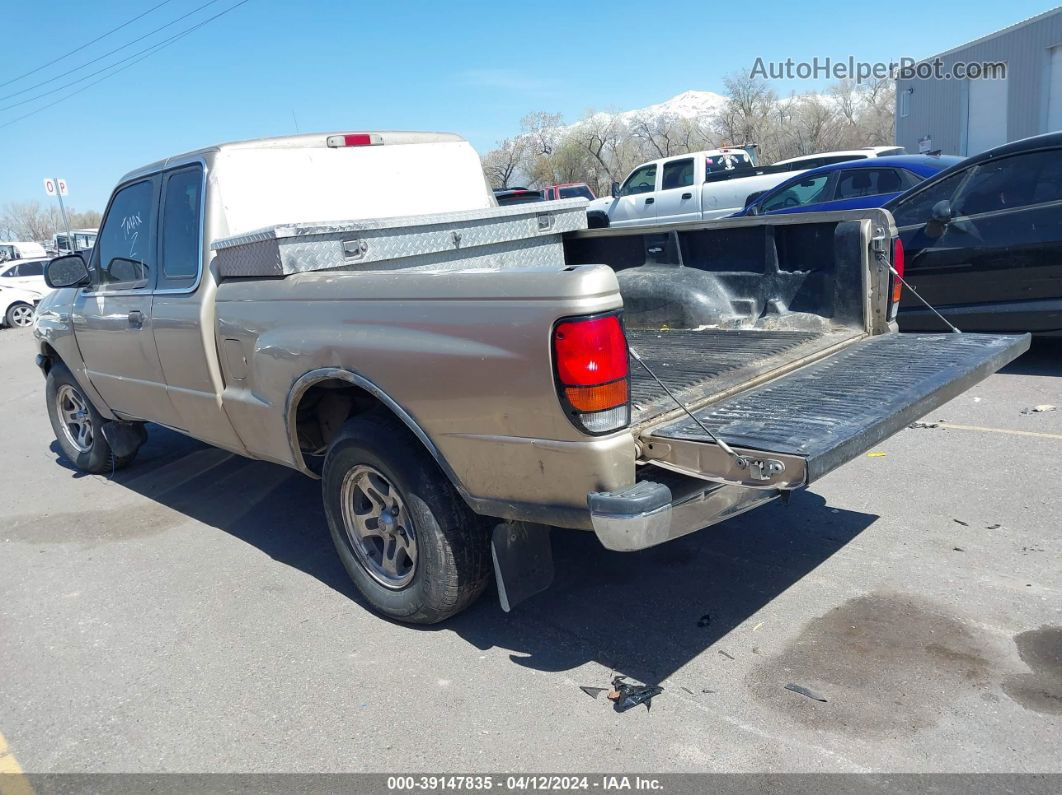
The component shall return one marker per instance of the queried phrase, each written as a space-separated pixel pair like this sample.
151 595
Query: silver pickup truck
463 377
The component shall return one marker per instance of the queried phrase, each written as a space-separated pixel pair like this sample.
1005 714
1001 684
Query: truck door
182 316
636 203
112 316
677 199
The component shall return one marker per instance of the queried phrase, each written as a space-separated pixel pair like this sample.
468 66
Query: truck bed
696 365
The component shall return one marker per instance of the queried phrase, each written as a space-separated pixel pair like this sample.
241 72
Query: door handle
650 201
136 319
687 195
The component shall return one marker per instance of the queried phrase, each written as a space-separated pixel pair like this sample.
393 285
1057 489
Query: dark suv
983 241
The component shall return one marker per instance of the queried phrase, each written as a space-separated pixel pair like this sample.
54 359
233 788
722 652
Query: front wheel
408 541
78 426
19 315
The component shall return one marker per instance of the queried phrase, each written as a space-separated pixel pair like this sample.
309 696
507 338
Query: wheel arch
361 390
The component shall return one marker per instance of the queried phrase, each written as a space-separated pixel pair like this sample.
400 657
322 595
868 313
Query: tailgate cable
739 459
878 241
923 300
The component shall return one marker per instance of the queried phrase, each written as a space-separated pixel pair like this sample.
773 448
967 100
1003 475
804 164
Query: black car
983 241
506 196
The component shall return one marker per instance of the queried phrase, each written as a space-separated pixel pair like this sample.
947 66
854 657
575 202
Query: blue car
851 185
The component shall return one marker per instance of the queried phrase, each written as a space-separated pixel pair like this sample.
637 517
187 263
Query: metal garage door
986 120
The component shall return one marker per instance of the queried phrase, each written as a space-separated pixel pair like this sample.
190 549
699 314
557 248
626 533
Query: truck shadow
647 614
640 613
1044 357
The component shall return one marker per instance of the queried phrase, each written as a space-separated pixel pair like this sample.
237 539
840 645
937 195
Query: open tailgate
795 429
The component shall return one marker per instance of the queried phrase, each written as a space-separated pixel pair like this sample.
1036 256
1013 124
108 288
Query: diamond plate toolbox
497 237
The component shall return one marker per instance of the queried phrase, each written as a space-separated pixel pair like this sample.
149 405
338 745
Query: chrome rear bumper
650 513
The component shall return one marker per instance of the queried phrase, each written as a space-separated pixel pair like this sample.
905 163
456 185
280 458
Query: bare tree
32 221
501 164
604 147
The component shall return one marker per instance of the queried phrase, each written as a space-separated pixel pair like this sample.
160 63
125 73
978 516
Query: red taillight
354 139
592 370
590 351
898 266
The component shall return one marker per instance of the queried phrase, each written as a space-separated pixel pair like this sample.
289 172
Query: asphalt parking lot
189 614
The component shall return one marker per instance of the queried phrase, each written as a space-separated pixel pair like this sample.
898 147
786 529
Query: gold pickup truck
462 376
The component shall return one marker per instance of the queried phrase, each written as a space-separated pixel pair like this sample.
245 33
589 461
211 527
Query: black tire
97 457
596 221
12 318
453 562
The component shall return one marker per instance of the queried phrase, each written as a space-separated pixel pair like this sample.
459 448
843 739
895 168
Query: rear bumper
650 513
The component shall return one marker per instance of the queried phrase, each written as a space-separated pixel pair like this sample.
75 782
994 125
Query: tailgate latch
764 468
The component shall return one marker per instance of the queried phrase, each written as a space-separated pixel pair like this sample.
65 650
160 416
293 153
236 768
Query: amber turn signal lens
597 398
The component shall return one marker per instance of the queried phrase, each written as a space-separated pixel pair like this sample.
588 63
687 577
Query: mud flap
523 561
124 438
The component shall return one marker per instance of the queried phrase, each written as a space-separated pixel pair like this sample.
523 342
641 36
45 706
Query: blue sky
469 67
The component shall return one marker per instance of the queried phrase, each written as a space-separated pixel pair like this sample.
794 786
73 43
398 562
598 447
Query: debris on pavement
957 549
624 695
875 455
993 526
805 692
728 656
704 620
688 690
706 690
1039 409
917 425
757 627
960 521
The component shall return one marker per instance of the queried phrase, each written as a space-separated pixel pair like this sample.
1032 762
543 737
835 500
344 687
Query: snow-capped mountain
687 105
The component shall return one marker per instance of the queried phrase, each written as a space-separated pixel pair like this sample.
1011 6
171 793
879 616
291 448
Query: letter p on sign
53 186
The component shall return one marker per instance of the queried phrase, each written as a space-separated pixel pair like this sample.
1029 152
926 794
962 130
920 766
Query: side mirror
940 217
67 271
753 196
615 190
941 212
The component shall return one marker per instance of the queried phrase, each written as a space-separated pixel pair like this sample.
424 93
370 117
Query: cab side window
1010 183
641 181
180 242
677 174
917 208
124 257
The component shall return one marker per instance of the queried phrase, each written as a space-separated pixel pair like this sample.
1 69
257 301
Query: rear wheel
410 543
19 315
78 426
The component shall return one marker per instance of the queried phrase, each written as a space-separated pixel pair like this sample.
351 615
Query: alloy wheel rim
378 527
22 316
75 418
